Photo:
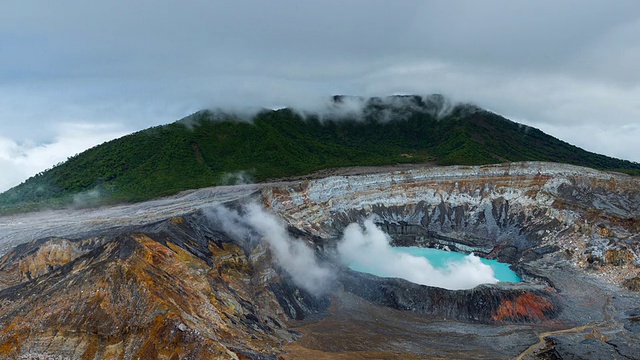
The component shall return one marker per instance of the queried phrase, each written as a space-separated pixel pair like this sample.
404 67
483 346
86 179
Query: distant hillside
212 148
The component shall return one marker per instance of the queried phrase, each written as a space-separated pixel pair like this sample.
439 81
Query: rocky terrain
170 279
511 212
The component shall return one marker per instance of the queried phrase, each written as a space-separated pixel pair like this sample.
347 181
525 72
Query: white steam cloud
293 255
369 247
366 246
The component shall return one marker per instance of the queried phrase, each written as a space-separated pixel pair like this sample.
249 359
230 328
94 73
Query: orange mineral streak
526 306
9 345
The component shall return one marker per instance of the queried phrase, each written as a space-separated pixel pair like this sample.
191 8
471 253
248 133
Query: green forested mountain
204 148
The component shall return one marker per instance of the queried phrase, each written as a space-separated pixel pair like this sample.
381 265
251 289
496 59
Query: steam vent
259 271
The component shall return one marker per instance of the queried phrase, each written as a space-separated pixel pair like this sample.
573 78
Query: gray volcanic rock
167 280
513 303
516 212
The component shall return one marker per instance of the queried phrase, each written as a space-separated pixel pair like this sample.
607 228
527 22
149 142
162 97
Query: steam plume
369 248
295 257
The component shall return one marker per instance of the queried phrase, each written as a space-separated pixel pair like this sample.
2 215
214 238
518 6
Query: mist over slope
213 148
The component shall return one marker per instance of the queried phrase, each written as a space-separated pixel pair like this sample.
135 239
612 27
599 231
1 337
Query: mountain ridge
211 148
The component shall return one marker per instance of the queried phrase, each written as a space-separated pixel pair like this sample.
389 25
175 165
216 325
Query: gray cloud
560 66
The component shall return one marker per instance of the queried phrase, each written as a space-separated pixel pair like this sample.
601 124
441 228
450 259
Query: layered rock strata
517 212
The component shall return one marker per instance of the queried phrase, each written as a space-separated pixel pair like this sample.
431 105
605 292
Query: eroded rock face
507 303
181 288
515 213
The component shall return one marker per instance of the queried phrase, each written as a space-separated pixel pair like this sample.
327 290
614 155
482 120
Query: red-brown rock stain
525 306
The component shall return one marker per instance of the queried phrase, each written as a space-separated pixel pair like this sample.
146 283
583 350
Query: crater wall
516 212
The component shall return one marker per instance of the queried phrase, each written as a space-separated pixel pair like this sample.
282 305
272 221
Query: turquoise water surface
440 258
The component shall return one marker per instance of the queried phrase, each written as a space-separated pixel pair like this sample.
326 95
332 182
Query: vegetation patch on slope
210 148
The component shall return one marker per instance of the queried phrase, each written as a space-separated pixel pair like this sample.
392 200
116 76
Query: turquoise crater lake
441 259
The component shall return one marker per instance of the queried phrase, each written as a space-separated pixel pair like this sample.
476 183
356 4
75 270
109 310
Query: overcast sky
76 73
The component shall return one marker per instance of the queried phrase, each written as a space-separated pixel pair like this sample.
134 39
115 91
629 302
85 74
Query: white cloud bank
19 161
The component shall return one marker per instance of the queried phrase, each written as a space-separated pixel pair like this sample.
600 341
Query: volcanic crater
168 279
